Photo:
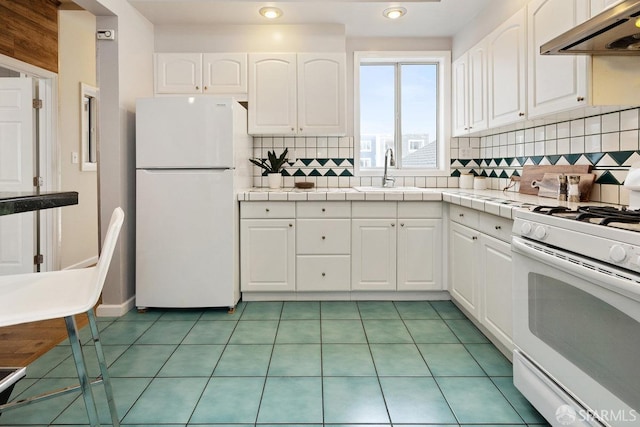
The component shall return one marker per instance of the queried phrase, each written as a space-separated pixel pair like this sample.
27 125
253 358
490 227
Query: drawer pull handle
323 237
460 215
323 274
474 238
580 98
498 227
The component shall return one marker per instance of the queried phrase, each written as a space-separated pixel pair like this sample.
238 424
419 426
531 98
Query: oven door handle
605 276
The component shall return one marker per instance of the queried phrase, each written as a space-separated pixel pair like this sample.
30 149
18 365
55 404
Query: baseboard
89 262
116 310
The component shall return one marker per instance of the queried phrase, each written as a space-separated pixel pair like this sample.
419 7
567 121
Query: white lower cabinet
373 254
480 270
319 273
419 255
495 288
267 247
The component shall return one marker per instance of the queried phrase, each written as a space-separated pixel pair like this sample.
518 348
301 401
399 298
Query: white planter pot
275 180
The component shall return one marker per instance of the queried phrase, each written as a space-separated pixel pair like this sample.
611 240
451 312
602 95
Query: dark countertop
12 203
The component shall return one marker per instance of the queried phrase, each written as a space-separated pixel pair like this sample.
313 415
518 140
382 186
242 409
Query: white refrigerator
191 161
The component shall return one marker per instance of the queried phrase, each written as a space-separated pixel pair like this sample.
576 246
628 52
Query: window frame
443 60
89 127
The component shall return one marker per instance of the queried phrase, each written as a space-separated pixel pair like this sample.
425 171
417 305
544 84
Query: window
401 103
88 130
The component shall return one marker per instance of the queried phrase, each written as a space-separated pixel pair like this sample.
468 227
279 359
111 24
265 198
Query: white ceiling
361 18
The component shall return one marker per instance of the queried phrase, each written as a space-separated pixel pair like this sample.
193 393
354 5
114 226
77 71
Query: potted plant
273 167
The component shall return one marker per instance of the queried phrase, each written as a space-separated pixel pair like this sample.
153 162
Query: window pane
377 105
419 115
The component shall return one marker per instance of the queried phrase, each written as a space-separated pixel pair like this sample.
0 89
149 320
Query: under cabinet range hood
612 32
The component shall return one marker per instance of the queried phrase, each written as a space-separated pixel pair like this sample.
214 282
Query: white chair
41 296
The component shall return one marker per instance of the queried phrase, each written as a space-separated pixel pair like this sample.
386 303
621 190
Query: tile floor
311 363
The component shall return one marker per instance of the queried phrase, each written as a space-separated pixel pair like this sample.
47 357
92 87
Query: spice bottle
562 187
574 188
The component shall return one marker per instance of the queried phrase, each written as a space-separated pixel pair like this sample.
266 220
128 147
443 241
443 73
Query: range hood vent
612 32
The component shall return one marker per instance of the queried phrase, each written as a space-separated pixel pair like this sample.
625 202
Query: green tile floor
294 363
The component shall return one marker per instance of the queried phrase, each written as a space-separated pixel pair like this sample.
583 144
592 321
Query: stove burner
602 215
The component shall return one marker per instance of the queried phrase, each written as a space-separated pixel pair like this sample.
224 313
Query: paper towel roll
466 180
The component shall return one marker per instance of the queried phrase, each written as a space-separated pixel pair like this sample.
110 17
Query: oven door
577 322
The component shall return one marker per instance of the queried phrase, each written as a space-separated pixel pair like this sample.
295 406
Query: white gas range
577 314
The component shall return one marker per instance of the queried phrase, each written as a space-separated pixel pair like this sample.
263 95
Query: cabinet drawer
496 226
323 236
267 210
323 273
374 209
465 216
323 209
420 210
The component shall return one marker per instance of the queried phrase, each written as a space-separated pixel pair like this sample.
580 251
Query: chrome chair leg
81 368
106 379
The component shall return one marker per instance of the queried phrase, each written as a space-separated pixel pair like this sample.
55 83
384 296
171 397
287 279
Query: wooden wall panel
29 32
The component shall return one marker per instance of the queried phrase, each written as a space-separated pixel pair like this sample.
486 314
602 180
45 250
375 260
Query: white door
321 94
373 257
17 231
419 254
463 253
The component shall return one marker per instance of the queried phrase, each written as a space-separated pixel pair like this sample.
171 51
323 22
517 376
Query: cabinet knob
323 274
466 128
461 215
323 237
393 225
498 227
197 87
580 98
520 114
290 225
205 88
474 238
323 209
267 209
300 129
293 129
401 224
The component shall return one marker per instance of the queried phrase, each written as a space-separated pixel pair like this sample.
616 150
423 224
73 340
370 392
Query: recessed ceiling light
394 12
270 12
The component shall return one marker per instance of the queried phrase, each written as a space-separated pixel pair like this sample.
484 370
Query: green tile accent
330 172
322 161
594 158
301 360
572 158
299 173
450 360
619 156
415 401
477 401
167 400
456 173
346 172
229 400
315 173
398 360
607 178
351 400
347 360
291 400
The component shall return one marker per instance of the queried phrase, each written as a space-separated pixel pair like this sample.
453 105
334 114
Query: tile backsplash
609 142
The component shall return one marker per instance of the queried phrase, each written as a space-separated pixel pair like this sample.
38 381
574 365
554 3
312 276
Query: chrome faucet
388 181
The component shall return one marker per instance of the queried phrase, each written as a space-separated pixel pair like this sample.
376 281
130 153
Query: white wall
77 52
484 23
125 72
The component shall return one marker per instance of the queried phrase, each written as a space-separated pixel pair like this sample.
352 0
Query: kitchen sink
387 189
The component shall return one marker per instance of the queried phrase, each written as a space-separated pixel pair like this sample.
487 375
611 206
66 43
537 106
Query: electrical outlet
466 153
74 157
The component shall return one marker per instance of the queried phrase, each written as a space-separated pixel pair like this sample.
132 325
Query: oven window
596 337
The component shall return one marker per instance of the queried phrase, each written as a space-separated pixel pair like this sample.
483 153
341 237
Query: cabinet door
320 273
224 73
419 254
272 94
267 255
321 94
506 73
373 256
463 254
598 6
496 284
478 116
178 72
556 82
460 101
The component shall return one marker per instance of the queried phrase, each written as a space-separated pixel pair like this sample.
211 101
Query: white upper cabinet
321 94
598 6
470 91
178 72
297 94
209 73
272 94
556 82
506 71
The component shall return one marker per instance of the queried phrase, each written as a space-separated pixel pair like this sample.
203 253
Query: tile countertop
495 202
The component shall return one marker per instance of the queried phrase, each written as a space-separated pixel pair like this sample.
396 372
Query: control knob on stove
526 228
540 232
617 253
